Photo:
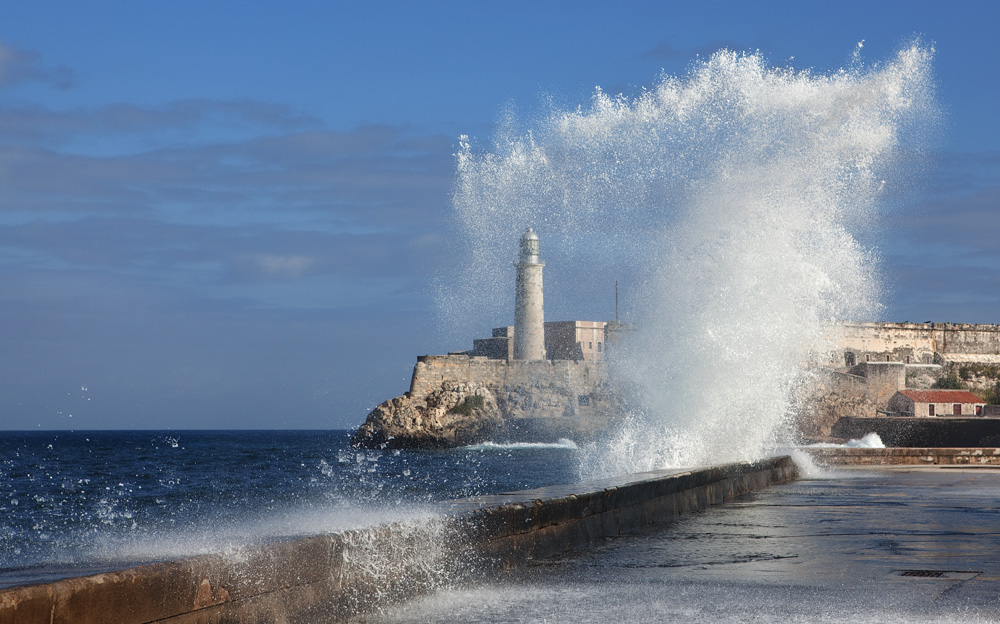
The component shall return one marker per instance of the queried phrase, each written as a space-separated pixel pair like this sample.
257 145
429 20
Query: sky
232 215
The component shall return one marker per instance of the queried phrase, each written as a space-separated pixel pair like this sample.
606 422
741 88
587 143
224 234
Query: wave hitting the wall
731 201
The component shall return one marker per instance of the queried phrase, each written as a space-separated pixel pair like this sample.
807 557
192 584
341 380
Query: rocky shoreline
461 400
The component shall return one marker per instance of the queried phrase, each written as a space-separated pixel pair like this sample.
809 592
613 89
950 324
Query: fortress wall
958 338
918 340
331 578
571 376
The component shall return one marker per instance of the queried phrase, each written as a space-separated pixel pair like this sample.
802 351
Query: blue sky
232 215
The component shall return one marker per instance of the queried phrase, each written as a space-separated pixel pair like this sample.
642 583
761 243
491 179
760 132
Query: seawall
328 578
906 456
939 431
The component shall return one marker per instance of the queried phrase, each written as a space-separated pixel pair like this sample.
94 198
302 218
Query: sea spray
390 563
730 200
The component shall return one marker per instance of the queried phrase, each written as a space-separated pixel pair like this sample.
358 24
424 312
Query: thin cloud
18 66
368 177
665 52
34 124
970 222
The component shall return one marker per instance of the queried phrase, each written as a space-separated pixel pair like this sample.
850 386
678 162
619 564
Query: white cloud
287 267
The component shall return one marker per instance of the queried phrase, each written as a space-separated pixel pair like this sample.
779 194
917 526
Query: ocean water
76 502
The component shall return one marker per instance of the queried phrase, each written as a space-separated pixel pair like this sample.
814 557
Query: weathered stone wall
566 377
913 343
831 396
331 578
882 380
905 456
541 389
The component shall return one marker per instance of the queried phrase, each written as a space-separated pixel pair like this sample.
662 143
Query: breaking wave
734 202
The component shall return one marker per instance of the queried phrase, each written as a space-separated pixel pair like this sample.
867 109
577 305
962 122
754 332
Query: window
930 409
590 345
868 358
598 346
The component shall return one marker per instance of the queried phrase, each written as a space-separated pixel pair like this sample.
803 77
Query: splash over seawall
335 577
730 200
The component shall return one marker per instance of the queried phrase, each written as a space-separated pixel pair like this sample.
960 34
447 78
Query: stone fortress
534 380
540 381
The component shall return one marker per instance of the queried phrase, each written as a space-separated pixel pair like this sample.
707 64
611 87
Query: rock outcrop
461 400
462 414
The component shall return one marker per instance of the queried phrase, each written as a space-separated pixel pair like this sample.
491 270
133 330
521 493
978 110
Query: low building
500 346
575 340
936 403
564 340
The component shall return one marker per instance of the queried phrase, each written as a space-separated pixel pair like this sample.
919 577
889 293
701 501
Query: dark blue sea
77 502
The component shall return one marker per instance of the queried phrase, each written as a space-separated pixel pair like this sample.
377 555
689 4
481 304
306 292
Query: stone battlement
915 343
431 371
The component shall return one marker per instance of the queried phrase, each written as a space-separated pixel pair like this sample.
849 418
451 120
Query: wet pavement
913 544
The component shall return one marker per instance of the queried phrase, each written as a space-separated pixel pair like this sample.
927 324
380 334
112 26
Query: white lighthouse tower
529 320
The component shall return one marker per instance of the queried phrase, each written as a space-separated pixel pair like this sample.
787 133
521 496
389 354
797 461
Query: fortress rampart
574 377
917 343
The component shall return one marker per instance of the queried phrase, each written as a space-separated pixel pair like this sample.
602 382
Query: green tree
949 382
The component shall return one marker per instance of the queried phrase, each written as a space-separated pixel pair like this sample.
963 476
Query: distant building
498 347
564 340
936 403
575 340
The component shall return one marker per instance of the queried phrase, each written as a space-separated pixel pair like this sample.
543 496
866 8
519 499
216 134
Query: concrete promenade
856 544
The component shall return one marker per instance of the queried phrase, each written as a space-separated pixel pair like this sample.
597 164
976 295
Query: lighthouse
529 320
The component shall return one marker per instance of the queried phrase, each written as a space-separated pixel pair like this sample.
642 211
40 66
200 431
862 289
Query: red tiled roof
941 396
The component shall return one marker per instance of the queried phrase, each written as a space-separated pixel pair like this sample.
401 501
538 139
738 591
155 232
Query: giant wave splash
735 202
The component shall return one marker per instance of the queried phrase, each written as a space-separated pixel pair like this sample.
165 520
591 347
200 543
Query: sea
79 502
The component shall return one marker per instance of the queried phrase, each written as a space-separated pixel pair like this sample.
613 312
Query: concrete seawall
906 456
941 431
331 577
